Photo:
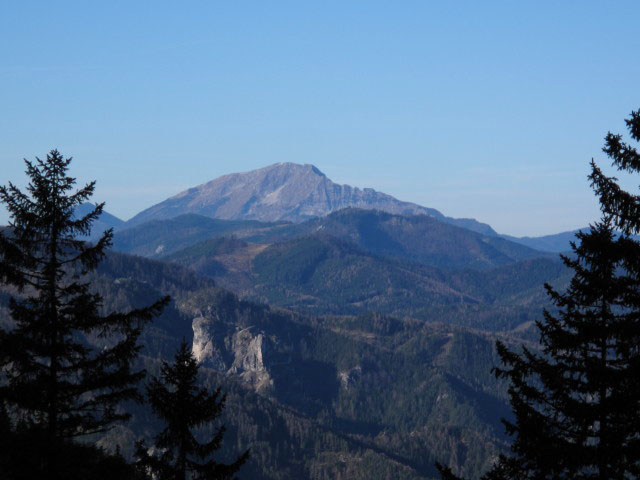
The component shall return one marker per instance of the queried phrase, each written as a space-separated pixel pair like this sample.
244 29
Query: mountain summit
283 191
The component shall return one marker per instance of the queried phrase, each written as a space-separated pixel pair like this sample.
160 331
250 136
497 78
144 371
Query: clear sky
488 109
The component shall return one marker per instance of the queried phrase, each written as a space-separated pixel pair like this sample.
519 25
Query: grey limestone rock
348 378
284 191
234 351
249 351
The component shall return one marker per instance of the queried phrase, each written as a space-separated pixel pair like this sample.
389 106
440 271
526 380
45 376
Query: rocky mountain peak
282 191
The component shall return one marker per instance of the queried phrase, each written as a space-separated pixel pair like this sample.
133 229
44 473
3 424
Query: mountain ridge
284 191
318 273
104 222
420 238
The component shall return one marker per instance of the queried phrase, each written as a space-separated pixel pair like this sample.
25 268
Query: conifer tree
623 207
577 403
54 383
183 406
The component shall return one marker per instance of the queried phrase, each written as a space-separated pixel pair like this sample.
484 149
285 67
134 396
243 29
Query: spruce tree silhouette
183 406
56 386
577 402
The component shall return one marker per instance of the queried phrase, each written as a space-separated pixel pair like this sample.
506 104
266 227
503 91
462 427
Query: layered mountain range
289 192
355 261
352 331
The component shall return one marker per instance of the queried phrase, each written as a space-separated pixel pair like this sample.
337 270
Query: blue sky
489 110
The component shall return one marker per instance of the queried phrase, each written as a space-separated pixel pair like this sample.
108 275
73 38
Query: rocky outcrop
234 351
348 378
249 352
204 348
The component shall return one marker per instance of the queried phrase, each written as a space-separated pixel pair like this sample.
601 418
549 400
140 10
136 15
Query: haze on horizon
487 110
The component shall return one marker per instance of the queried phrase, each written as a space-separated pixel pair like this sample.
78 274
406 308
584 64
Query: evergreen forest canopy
358 345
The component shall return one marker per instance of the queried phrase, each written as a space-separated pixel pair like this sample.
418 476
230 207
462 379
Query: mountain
322 274
420 238
353 261
104 222
558 242
284 191
162 237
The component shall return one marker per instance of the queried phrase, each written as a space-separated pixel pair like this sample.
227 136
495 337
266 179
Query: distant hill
559 242
161 237
322 274
105 222
284 191
327 274
419 238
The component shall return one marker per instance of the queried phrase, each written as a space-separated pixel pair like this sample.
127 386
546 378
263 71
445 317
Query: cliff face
234 351
283 191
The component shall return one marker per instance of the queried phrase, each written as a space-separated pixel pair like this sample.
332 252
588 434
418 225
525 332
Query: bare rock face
234 351
348 378
204 349
284 191
249 351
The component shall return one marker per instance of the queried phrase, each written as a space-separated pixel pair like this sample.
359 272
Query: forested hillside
320 396
419 238
322 274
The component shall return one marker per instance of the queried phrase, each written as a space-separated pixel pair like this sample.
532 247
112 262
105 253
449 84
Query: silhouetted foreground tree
623 207
183 406
577 403
55 385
